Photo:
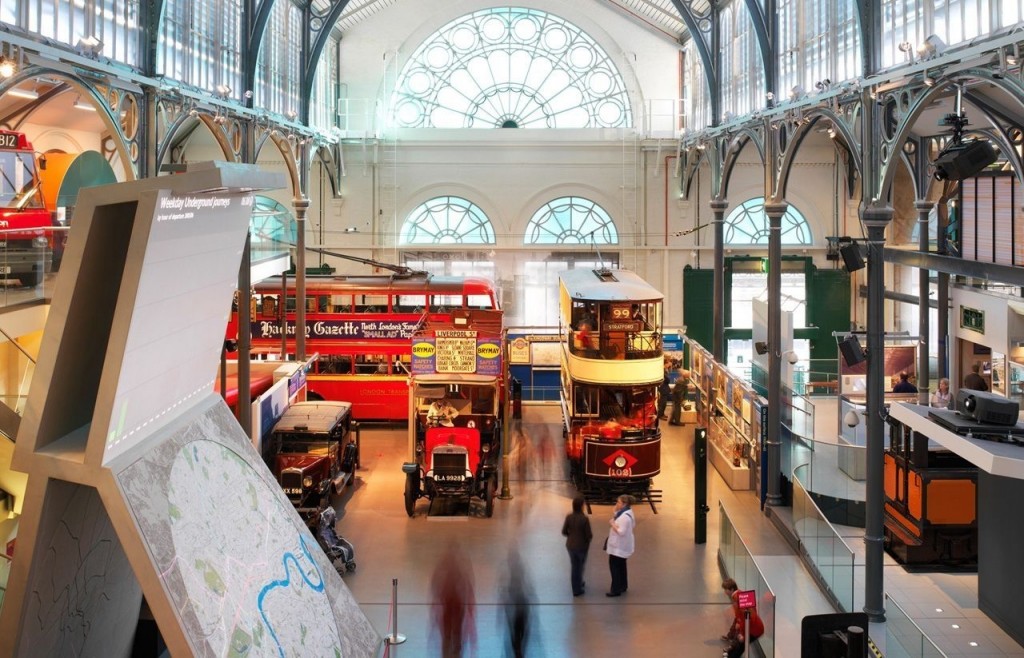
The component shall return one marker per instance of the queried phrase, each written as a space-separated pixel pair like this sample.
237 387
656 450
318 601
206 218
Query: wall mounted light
223 90
291 114
79 104
18 92
797 92
1013 59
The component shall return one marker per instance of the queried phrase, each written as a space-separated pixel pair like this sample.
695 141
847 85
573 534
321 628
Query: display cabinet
731 448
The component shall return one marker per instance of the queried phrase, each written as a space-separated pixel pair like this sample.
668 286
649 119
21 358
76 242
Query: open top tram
612 365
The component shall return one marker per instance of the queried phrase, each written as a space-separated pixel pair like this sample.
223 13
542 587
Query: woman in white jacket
620 543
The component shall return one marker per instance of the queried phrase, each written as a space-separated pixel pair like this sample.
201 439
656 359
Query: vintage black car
312 450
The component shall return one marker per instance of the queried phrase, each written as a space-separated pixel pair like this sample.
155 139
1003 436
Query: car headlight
307 481
40 242
486 447
620 462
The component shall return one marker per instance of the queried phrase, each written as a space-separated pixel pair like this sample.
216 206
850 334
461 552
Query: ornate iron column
774 211
301 204
718 207
924 304
875 219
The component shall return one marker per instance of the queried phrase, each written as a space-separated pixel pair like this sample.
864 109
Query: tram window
268 305
372 304
341 303
411 303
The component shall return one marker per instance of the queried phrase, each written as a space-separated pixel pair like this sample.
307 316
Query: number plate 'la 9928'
449 478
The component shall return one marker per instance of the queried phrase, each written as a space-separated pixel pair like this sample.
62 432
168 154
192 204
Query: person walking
453 597
620 544
576 530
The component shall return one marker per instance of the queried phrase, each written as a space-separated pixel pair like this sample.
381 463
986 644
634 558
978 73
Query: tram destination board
455 351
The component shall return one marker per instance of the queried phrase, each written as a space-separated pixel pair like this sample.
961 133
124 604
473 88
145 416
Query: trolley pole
506 428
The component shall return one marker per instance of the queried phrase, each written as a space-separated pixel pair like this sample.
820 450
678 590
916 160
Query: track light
223 91
932 47
291 114
797 92
89 46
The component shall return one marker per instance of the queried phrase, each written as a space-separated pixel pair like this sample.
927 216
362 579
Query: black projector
986 407
960 161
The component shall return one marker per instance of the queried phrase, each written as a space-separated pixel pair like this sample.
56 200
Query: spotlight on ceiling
961 158
8 67
89 46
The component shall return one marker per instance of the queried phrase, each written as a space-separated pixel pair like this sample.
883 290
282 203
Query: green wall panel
699 305
828 309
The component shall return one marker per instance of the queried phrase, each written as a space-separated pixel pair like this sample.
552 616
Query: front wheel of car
411 494
492 485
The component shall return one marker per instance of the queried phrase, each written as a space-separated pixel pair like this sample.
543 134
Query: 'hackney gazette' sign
355 329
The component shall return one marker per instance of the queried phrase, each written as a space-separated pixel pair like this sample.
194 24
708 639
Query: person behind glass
679 394
734 638
942 398
904 385
664 390
974 380
620 544
578 534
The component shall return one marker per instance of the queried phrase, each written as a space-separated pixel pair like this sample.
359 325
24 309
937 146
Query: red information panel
746 599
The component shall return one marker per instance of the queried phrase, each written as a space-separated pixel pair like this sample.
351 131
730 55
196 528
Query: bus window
442 303
482 302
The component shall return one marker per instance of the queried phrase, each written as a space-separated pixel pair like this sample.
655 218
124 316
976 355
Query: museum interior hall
319 317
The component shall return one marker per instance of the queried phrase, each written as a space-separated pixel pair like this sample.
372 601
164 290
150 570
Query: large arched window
747 224
510 67
571 220
447 220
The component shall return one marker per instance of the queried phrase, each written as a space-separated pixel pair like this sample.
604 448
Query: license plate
5 269
289 491
450 478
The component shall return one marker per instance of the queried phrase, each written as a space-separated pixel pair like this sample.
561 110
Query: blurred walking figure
454 602
518 599
578 534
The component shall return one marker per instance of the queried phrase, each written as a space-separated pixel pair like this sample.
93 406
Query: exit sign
973 319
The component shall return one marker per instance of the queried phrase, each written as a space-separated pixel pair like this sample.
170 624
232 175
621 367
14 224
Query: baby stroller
339 550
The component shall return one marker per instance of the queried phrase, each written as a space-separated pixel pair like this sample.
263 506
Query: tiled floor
674 607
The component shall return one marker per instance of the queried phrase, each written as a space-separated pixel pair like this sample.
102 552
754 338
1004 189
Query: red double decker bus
361 327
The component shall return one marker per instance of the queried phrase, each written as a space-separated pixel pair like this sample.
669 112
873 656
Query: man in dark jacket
974 380
578 535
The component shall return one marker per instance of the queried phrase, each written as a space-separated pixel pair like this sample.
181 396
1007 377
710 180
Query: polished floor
674 606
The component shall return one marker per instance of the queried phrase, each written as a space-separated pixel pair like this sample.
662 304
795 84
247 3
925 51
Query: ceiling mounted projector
986 407
964 160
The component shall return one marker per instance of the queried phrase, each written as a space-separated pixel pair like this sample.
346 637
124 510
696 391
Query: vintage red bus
361 327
